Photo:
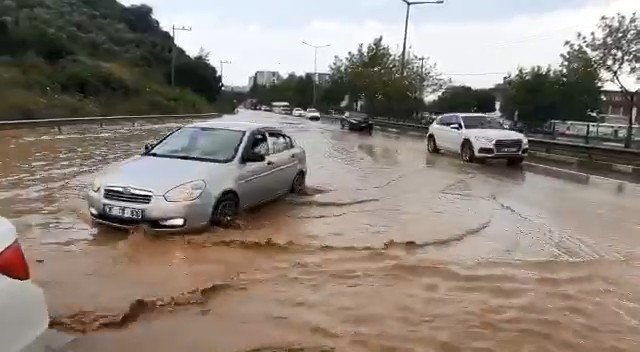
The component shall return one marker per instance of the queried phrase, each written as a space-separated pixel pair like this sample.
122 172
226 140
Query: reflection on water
390 249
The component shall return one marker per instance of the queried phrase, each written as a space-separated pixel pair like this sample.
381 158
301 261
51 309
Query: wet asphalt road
392 250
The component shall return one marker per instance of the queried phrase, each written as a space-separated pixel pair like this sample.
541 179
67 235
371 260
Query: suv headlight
525 141
186 192
96 185
484 139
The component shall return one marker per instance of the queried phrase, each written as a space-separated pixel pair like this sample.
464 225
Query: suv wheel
466 152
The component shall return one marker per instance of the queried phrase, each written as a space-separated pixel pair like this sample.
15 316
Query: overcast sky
475 42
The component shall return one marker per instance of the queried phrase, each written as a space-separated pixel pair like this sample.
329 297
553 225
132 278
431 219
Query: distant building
323 78
265 78
615 103
240 89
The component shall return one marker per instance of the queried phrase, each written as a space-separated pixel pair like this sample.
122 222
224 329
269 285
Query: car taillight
13 264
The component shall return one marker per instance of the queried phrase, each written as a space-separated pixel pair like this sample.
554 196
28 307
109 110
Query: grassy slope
85 57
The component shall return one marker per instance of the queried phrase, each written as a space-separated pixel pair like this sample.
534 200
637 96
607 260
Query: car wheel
299 183
226 210
466 152
432 146
515 161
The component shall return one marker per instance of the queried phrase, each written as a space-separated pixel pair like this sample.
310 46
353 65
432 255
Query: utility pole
406 27
222 63
315 66
174 50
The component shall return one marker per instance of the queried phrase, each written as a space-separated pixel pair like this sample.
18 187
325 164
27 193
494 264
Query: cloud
477 48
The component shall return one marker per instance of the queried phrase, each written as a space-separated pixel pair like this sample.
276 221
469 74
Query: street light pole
222 63
406 27
173 51
315 66
422 80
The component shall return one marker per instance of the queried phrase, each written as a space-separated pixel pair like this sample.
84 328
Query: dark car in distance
356 121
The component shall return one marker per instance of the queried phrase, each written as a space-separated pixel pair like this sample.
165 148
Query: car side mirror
147 147
456 127
253 157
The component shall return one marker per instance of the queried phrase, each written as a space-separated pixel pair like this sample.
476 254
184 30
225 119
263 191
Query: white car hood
495 134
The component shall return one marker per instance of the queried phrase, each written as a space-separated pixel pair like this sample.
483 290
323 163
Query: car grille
501 144
127 196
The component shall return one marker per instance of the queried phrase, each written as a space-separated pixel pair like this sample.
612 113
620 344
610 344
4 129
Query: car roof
234 125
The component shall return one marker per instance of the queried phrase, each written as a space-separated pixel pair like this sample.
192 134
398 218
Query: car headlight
96 185
186 192
484 139
525 141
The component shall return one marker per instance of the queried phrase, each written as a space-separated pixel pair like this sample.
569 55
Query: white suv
476 137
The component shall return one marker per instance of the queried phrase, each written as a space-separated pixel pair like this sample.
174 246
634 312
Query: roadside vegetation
533 96
370 75
95 57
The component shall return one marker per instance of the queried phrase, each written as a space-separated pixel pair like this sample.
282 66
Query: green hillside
63 58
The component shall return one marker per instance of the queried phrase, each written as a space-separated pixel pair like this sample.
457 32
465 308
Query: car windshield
481 122
312 110
200 143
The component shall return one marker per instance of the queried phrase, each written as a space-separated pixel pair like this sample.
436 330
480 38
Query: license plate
123 212
510 150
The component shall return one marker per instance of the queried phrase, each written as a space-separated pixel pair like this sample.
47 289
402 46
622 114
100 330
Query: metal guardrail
587 152
593 154
13 124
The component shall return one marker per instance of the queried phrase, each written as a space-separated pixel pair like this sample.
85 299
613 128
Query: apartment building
615 103
265 78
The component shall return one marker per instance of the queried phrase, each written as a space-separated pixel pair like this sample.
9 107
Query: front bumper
195 214
488 151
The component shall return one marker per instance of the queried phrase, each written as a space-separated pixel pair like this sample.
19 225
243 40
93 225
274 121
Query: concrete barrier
15 124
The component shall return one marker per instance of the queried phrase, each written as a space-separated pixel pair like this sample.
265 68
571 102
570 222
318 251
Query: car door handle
293 156
269 163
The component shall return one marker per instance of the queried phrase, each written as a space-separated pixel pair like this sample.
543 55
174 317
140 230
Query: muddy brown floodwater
391 250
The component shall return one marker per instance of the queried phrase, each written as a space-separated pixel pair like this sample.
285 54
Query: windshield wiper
184 157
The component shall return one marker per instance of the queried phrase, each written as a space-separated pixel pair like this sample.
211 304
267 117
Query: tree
580 85
615 50
199 76
463 99
532 95
372 72
539 94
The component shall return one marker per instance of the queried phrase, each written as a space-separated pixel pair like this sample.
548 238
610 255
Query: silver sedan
201 174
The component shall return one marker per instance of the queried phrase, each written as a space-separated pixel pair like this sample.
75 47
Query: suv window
279 142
